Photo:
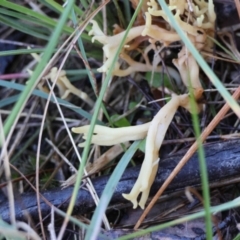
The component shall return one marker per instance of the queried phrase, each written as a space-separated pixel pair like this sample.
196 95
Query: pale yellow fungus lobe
189 70
111 43
155 136
65 87
135 66
106 136
157 33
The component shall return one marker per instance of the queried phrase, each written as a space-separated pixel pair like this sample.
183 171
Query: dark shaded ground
223 163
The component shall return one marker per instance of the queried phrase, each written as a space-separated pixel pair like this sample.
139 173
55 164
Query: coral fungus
197 19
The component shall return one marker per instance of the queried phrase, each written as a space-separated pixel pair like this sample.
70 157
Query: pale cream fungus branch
106 136
111 43
65 87
155 136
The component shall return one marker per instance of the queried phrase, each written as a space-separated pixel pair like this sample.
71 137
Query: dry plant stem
61 155
31 234
85 61
23 129
237 3
105 158
8 176
187 156
38 116
193 191
51 227
87 181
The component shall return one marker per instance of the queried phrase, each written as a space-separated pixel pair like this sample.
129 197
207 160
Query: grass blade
108 191
12 118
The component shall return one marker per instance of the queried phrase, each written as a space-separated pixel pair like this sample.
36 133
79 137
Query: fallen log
223 164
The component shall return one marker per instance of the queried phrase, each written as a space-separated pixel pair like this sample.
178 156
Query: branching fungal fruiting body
106 136
155 136
65 87
197 19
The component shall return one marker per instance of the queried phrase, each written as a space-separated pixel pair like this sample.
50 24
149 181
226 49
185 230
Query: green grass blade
23 28
39 50
43 95
95 115
108 191
28 20
25 14
26 11
202 166
127 9
22 51
6 101
97 219
18 107
224 49
54 5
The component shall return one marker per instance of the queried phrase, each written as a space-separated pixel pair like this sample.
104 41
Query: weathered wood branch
223 162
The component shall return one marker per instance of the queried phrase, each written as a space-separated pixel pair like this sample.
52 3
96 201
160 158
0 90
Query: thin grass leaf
57 7
12 118
26 19
94 54
202 166
34 14
80 72
108 191
81 47
83 52
28 14
224 49
23 28
53 5
122 20
43 95
127 10
22 51
9 100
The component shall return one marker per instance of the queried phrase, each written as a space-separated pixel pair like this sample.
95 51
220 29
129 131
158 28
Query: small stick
187 156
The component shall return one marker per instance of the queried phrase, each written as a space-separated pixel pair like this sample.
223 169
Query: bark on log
223 163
